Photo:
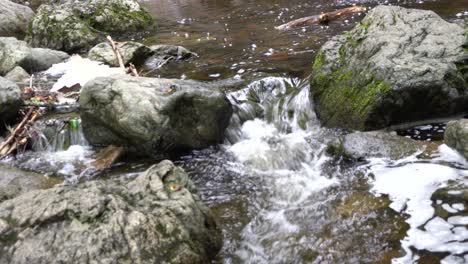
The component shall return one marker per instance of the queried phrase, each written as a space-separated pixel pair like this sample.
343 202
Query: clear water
277 195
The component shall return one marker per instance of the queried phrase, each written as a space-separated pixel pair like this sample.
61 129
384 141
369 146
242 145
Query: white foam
78 70
410 184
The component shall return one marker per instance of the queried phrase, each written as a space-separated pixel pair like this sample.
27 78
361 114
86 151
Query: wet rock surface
18 75
153 116
131 52
10 100
377 144
14 182
78 25
155 218
456 136
397 65
15 52
14 19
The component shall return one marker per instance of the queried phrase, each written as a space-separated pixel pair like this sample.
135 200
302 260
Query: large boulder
76 25
130 51
153 116
14 19
10 100
155 218
15 52
397 65
456 136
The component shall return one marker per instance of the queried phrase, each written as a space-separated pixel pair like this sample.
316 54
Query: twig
18 127
322 18
159 66
132 70
117 53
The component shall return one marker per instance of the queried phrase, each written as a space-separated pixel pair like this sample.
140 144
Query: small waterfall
283 102
58 134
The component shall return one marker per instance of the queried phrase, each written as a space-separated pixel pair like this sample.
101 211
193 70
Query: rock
397 65
42 59
155 218
456 136
15 52
153 116
377 144
10 100
164 53
131 52
18 75
77 25
14 182
14 19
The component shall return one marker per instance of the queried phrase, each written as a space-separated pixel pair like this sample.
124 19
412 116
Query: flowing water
277 194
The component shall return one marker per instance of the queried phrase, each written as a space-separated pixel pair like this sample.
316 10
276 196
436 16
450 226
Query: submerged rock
456 136
77 25
131 52
153 116
162 54
15 52
14 182
397 65
14 19
155 218
10 100
378 144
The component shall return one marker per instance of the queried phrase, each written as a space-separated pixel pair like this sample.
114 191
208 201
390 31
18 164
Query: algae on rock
397 65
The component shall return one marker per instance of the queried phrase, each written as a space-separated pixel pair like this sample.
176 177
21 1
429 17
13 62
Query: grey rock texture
155 218
131 52
378 144
77 25
14 182
397 65
14 19
15 52
456 136
153 116
10 100
18 75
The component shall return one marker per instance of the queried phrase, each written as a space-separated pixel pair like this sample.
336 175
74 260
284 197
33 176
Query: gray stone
15 52
456 136
155 218
78 25
10 100
14 19
14 182
153 116
378 144
165 53
131 52
18 75
397 65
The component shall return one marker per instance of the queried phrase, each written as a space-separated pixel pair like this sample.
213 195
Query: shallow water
278 196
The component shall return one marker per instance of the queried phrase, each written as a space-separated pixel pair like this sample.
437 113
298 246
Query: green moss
318 62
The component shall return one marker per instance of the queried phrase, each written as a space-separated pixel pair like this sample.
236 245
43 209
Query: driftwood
322 18
131 69
107 156
20 135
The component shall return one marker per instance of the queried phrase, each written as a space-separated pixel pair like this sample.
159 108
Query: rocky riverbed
337 142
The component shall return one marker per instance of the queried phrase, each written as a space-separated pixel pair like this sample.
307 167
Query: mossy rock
386 72
78 25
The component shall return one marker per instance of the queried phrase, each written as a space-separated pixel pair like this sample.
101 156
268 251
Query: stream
278 195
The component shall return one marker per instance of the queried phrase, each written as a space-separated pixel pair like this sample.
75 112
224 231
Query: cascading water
282 199
58 148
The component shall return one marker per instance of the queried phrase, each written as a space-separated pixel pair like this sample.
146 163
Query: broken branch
322 18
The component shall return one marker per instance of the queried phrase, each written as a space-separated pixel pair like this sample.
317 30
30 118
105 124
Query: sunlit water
278 196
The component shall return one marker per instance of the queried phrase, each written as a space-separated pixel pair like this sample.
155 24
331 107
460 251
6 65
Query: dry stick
15 145
18 127
117 53
317 19
132 70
